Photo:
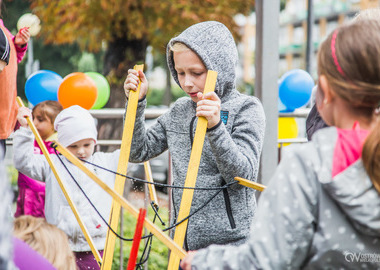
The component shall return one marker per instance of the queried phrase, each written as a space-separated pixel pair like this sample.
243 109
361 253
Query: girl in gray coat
321 209
233 141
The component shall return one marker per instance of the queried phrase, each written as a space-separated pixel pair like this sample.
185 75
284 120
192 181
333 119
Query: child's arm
21 40
145 145
25 161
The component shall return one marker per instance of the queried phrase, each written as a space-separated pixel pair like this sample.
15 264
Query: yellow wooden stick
122 167
123 202
67 196
152 189
191 177
250 184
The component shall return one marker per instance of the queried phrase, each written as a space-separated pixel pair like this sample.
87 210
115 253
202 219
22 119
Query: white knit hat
74 124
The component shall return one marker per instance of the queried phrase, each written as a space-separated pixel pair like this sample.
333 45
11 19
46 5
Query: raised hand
22 37
22 113
132 81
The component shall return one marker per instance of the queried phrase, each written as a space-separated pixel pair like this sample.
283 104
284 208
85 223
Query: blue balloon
42 85
282 108
295 88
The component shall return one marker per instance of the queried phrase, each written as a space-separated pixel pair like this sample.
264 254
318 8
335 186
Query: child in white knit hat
76 131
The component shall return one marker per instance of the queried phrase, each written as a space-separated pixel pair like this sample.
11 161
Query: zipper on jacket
228 206
191 131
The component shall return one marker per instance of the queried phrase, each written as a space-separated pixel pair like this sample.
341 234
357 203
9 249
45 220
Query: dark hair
350 60
49 109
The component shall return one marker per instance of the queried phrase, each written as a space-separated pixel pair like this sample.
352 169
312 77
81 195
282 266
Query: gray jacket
307 219
231 149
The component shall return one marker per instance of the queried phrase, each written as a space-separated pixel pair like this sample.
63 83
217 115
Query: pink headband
333 40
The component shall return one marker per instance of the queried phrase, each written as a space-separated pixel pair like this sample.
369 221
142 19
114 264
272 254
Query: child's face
191 71
43 124
82 149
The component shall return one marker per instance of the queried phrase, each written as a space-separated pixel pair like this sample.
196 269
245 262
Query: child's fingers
23 112
132 71
211 96
209 107
142 77
132 82
207 102
25 35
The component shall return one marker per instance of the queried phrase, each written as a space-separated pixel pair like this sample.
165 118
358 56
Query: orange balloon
77 89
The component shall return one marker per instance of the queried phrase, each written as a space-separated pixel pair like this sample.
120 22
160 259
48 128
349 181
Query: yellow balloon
287 129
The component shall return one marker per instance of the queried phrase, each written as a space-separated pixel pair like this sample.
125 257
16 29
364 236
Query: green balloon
103 89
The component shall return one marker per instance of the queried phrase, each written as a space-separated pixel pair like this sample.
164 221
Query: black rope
149 241
148 235
151 183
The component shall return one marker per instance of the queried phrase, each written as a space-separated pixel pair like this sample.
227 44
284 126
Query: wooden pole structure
123 202
191 177
122 167
250 184
152 189
67 196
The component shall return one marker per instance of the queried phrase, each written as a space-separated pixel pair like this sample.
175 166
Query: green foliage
158 258
177 92
87 62
12 174
154 97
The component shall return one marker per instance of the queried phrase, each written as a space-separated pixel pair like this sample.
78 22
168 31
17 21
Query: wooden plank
192 172
250 184
151 187
67 196
122 168
123 202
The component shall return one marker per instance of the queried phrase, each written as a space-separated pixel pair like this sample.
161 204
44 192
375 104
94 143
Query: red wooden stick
136 240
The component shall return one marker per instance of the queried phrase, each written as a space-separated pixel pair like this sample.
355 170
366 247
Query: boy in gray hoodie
233 142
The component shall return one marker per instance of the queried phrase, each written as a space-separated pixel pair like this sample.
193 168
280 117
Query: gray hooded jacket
307 219
230 149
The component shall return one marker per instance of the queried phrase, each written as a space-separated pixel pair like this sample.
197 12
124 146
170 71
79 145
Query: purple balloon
26 258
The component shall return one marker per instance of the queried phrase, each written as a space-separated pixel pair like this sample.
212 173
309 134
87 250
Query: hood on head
215 46
351 189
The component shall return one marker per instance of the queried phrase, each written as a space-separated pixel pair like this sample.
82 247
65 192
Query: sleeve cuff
142 99
215 127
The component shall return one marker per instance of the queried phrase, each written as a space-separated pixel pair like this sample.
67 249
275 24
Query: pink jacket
31 193
20 51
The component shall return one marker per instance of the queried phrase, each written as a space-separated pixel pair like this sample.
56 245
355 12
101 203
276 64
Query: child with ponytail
321 209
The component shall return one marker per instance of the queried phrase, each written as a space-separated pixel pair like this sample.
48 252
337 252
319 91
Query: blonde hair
350 60
178 47
46 239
